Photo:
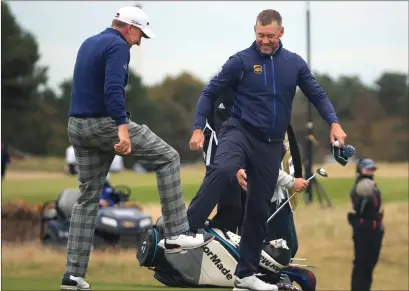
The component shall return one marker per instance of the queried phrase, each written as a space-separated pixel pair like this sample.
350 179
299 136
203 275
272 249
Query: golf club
320 171
306 266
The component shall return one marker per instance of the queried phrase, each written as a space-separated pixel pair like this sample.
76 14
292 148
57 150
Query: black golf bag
214 265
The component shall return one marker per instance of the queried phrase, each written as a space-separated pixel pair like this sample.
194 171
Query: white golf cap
136 17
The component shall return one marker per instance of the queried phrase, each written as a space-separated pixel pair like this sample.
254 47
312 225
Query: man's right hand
300 184
124 145
197 140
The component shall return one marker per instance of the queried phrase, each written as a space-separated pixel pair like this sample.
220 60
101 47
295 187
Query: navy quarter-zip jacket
100 77
264 88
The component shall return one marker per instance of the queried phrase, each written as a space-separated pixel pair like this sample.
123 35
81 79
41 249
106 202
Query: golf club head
322 172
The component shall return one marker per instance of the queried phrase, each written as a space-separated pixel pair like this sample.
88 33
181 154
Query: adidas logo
221 106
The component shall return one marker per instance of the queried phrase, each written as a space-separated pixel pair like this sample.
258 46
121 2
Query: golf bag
214 265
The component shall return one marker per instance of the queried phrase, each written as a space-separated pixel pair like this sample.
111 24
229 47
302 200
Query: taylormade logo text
269 264
217 262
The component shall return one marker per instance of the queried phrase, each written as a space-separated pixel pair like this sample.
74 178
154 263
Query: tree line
34 117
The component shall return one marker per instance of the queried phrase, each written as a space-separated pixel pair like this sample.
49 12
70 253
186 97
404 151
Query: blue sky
354 38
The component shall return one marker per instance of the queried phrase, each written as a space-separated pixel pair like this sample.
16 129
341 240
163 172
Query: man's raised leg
230 156
153 151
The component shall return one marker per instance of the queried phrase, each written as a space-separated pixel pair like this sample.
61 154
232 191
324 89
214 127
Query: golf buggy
118 225
213 265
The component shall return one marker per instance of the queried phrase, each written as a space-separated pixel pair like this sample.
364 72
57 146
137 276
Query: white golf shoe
252 283
72 283
187 240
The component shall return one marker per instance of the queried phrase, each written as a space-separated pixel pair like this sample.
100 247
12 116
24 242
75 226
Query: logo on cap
135 22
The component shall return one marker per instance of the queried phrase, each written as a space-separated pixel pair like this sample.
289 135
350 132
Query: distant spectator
70 160
106 198
367 225
117 164
5 159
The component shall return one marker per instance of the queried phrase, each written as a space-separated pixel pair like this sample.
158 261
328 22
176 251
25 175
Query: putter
320 172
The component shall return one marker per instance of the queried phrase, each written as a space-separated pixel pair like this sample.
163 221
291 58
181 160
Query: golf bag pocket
209 265
148 251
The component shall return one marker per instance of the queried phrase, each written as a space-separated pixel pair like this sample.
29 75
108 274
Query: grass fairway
324 239
43 284
16 283
324 235
31 267
38 189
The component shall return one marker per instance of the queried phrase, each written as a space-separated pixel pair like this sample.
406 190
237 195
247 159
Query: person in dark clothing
107 193
264 78
289 182
230 209
367 225
282 225
5 159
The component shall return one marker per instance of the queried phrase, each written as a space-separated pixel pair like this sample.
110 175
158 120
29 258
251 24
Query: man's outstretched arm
316 95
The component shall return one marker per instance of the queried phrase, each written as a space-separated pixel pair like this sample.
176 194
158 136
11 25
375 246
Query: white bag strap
213 137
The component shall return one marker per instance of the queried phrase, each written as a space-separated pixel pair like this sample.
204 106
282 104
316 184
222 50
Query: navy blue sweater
264 88
100 77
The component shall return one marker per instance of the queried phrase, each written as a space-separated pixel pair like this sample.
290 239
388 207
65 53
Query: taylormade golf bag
214 264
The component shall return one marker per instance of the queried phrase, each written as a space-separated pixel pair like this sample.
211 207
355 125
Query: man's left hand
337 133
242 179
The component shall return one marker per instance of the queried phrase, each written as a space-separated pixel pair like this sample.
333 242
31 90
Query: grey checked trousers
93 140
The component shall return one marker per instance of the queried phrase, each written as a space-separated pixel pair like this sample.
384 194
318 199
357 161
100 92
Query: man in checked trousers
99 128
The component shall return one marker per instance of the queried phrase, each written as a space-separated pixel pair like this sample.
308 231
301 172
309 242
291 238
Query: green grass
43 164
27 283
30 283
144 188
393 189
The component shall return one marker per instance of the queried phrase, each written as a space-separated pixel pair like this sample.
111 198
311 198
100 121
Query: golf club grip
311 177
288 200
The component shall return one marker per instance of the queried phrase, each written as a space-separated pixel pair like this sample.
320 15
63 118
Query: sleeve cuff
120 120
333 120
198 126
291 183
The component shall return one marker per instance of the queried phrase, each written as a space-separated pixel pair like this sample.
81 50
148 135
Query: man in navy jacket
99 128
264 77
